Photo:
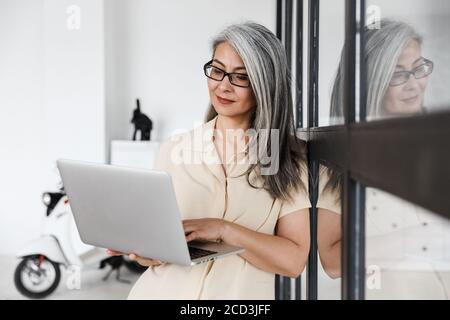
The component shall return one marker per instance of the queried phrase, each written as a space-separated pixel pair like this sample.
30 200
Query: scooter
38 274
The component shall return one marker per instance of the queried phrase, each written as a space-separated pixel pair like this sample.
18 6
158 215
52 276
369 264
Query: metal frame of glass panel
285 15
373 154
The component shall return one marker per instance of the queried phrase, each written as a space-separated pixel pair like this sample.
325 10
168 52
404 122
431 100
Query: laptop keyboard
198 253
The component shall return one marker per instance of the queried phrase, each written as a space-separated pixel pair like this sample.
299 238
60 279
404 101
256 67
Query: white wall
22 125
331 41
149 42
51 105
74 81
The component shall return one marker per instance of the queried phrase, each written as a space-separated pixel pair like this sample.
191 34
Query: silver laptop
134 211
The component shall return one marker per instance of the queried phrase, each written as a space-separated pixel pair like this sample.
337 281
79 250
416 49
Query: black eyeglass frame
413 72
225 74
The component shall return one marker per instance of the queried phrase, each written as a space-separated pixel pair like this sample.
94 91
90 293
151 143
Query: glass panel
407 250
305 70
407 57
329 235
331 40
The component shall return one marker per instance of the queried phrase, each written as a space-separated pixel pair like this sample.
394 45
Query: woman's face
406 98
229 100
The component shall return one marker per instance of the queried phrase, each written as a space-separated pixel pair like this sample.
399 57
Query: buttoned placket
211 158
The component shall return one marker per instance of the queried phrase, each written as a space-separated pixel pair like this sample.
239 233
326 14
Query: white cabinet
140 154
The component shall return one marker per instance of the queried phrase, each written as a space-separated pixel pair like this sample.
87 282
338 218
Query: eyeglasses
237 79
402 77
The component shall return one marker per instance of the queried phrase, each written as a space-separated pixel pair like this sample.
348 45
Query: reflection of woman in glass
396 73
396 82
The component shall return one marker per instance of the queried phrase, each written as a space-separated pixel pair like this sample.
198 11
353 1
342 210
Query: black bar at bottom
298 288
353 224
311 270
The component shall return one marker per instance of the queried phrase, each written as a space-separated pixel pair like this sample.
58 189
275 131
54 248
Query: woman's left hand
145 262
204 229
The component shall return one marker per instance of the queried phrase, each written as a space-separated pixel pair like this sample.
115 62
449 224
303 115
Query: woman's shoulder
329 190
297 145
190 140
167 151
173 140
297 148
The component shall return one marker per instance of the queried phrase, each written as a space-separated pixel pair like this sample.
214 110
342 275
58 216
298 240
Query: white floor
392 285
92 286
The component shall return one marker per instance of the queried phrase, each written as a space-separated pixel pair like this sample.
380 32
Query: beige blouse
204 190
396 231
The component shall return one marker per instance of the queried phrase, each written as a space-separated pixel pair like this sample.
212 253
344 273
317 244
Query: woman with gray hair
396 73
243 182
396 82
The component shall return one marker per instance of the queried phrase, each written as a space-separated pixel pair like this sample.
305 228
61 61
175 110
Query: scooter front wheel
37 276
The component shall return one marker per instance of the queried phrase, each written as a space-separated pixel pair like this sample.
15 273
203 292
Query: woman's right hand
142 261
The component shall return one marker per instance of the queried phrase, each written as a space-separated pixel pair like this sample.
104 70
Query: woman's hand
142 261
205 229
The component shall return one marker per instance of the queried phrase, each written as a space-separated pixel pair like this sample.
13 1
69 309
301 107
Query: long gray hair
265 60
382 51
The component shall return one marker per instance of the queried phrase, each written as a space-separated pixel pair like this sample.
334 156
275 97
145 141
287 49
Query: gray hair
383 48
265 60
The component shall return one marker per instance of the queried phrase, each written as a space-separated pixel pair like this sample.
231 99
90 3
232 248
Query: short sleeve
300 200
328 199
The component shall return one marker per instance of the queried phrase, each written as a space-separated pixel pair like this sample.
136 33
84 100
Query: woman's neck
232 124
231 135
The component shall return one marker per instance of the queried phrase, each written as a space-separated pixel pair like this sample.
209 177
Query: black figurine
141 123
